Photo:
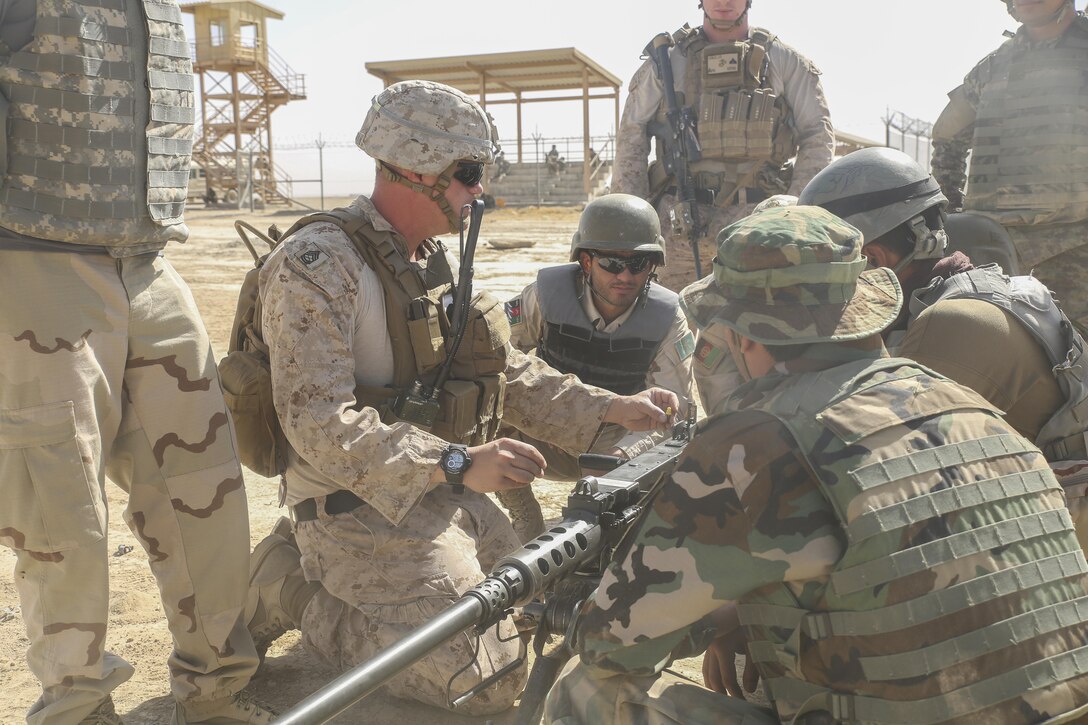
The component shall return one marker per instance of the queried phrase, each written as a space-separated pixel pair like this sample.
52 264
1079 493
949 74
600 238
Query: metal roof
270 12
518 72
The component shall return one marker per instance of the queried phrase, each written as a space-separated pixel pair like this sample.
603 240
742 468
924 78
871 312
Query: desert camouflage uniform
894 550
410 549
1026 101
791 75
670 369
105 367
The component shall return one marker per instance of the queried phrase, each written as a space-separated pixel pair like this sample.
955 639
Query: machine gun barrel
598 511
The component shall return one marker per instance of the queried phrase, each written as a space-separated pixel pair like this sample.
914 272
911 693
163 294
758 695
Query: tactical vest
78 169
1063 436
953 567
745 129
415 315
1030 148
617 361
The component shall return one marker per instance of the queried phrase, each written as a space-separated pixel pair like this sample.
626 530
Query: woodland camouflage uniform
895 551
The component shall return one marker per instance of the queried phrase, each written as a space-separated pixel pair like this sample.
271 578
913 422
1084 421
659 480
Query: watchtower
242 80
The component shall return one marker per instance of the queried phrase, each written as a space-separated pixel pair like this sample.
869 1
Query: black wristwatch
455 461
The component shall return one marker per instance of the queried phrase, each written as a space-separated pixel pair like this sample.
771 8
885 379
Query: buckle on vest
817 625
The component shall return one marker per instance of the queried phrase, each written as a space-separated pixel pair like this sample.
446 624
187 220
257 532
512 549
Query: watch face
455 461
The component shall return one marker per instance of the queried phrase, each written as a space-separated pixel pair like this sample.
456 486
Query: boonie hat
793 275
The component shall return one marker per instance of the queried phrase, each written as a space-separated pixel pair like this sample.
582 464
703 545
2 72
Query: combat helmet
878 189
619 223
427 128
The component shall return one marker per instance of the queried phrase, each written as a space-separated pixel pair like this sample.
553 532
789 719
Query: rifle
682 150
562 565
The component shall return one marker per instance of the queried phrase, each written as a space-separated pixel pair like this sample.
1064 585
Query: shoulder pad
1078 38
320 259
762 36
687 37
684 33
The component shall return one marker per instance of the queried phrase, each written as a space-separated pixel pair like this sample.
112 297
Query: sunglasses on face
616 265
469 173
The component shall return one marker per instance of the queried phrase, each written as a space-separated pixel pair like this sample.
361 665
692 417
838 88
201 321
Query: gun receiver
599 511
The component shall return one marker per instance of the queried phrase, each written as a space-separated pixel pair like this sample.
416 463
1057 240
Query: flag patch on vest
709 355
685 346
513 311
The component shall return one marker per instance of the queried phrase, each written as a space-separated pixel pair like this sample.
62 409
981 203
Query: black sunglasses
469 173
616 265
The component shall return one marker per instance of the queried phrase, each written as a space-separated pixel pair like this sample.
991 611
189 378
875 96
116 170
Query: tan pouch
247 388
458 420
734 139
483 348
425 334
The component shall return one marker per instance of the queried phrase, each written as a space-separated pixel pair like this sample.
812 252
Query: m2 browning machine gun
549 576
681 151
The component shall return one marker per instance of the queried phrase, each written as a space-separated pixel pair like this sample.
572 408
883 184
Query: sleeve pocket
52 501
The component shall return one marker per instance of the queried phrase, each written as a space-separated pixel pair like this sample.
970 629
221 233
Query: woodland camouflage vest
98 146
961 586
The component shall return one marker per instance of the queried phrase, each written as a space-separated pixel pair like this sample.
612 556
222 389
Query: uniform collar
594 315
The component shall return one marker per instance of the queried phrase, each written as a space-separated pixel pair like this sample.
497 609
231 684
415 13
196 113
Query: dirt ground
214 262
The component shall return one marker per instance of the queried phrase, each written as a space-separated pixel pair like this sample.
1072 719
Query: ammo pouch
246 377
471 400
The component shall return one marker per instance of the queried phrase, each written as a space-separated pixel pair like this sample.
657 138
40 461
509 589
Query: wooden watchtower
242 81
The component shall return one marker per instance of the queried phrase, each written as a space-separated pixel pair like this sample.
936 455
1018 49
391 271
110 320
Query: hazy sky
874 55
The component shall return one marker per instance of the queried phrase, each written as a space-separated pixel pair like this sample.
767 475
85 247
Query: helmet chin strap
726 24
1066 7
436 193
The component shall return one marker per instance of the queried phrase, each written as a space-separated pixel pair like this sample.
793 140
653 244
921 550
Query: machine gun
549 576
681 151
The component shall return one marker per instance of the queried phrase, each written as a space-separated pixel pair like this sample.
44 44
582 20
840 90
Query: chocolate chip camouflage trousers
105 369
580 698
382 581
679 270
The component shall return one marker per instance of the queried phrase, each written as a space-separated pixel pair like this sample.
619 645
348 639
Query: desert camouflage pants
580 698
105 369
1066 274
382 581
679 270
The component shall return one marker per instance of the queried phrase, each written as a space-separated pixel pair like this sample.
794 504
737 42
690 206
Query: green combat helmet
876 190
793 275
619 223
427 128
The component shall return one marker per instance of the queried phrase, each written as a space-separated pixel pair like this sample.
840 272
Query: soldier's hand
720 665
643 411
503 464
